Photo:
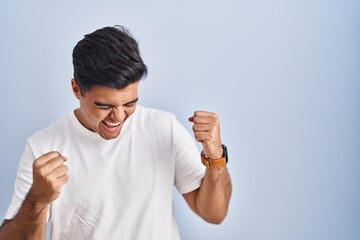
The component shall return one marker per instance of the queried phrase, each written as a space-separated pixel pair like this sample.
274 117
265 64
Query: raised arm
49 176
211 200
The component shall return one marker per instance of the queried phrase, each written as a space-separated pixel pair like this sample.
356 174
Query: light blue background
284 77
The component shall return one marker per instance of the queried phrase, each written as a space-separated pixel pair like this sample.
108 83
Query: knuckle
63 170
36 163
54 153
214 118
56 190
49 180
41 171
50 155
66 177
59 162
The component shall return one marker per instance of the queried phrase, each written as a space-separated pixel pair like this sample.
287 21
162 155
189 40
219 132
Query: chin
110 137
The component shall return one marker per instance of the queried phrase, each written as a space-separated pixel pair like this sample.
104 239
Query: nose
118 114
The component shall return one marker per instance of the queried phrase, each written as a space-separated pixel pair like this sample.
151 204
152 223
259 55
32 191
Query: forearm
29 222
213 197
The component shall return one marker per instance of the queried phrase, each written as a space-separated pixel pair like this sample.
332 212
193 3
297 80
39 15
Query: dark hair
108 57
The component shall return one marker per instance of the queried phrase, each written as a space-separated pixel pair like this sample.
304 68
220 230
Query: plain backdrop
284 77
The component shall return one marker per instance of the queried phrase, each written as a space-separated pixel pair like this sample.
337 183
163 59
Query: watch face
225 154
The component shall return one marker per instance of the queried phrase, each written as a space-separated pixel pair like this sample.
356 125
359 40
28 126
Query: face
104 110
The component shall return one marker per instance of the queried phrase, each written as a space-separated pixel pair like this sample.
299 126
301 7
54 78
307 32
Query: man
107 170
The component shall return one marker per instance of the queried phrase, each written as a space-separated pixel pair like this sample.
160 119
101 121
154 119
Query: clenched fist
206 130
49 176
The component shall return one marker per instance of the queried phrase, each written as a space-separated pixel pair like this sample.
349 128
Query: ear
75 88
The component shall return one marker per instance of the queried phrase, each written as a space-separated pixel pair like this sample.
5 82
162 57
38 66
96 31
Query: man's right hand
49 176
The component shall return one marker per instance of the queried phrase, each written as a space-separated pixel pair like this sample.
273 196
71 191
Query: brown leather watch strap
213 163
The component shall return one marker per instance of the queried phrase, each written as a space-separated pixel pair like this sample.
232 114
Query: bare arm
29 223
211 200
49 175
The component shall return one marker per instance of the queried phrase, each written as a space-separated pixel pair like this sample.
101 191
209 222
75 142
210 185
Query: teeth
111 124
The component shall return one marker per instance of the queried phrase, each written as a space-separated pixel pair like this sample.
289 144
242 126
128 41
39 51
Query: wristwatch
214 163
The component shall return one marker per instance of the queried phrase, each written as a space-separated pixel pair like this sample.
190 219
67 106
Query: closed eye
130 105
104 108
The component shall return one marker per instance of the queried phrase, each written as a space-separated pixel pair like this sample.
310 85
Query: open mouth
112 127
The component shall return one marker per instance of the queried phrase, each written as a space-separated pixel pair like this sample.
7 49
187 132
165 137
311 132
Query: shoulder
154 123
153 115
56 128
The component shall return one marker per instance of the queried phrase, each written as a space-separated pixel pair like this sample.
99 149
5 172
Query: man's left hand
206 130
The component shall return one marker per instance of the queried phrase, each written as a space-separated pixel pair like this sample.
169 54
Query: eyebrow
99 104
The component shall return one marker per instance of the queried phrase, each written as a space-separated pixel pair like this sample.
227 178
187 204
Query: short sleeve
23 182
189 170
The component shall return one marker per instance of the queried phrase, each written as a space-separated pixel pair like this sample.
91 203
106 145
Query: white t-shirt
120 188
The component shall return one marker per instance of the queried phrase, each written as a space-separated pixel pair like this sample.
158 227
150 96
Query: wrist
35 202
213 152
215 162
